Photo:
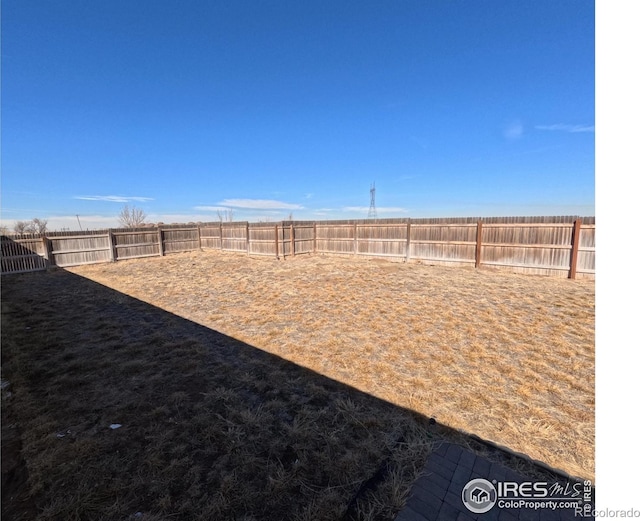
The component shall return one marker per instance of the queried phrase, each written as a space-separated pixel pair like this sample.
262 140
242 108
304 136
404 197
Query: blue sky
272 108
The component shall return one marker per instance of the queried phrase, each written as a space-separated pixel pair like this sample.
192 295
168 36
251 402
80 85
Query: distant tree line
129 217
35 225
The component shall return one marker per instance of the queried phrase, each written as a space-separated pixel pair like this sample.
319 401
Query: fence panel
335 238
382 240
262 239
210 236
133 245
303 238
234 237
23 255
176 240
443 243
80 249
587 251
542 248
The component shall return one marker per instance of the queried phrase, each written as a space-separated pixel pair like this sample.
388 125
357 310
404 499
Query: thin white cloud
323 212
513 131
379 209
567 128
260 204
169 218
211 208
113 198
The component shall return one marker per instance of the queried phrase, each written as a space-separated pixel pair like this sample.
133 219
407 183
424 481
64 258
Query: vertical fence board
479 244
408 243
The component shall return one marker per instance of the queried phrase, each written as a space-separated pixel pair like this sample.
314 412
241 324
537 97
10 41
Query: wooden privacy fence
557 246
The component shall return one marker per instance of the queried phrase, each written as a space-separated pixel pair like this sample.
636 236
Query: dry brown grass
215 429
507 357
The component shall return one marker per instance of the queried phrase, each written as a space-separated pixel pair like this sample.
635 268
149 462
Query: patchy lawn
250 388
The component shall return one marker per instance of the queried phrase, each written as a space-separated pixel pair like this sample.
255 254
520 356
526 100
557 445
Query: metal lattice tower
373 213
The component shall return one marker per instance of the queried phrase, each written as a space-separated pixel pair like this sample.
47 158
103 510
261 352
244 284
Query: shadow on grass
210 427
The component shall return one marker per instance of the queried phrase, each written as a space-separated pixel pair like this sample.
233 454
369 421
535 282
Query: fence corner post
160 246
575 247
112 246
479 244
47 253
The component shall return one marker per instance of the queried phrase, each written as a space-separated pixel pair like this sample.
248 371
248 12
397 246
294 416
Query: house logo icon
479 496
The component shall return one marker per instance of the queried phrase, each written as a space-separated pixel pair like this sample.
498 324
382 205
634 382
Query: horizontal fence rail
555 246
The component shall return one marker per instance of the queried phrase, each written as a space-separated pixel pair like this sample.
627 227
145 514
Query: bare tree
226 216
131 217
33 226
21 227
39 225
4 230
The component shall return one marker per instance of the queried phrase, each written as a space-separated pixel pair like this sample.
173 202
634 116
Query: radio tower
373 213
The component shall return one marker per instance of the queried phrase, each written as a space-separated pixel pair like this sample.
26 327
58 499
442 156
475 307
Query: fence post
160 246
293 241
408 252
45 249
112 246
247 232
220 228
199 238
277 254
575 245
46 245
479 245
